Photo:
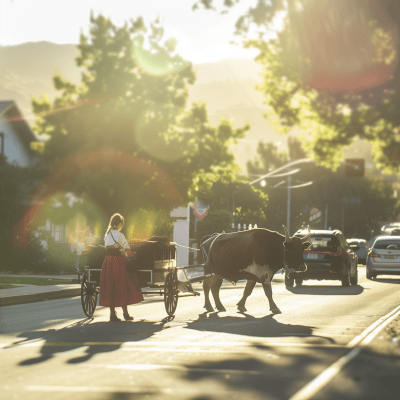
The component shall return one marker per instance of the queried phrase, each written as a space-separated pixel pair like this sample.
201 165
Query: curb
31 298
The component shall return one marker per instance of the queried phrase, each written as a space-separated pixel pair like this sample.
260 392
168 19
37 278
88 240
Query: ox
255 255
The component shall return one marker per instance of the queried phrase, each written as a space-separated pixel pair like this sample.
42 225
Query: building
15 136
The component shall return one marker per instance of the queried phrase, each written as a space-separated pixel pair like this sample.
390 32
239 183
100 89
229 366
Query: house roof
4 105
11 113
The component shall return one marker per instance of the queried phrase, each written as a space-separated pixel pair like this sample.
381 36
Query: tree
124 140
269 158
332 71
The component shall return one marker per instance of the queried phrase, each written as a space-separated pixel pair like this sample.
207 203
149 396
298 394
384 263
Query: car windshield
387 245
324 243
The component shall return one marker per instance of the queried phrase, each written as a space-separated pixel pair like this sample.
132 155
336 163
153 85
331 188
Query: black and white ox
255 255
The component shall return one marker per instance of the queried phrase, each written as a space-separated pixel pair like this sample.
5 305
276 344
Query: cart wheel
88 296
171 292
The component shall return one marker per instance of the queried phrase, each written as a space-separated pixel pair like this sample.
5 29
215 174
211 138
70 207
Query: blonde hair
115 220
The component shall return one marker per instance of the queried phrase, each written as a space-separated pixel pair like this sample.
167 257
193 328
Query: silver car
360 248
384 257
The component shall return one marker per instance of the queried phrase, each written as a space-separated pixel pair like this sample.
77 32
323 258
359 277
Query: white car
384 257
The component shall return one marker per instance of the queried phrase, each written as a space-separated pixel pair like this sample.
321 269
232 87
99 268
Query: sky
203 36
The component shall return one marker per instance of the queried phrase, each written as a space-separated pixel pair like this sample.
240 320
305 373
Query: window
2 143
387 245
58 233
324 243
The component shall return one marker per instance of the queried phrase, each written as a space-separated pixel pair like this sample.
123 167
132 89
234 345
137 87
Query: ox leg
206 288
246 293
268 292
215 286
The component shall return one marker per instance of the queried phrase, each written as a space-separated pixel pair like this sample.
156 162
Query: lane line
360 341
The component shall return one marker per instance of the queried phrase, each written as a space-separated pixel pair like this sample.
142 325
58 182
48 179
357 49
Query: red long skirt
117 287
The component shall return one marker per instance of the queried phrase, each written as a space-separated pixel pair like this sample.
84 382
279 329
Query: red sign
200 213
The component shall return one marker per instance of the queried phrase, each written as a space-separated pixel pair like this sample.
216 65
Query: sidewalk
31 293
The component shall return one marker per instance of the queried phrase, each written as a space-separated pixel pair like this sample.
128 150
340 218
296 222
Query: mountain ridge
226 86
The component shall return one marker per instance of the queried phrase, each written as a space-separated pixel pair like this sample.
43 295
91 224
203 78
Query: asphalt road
50 351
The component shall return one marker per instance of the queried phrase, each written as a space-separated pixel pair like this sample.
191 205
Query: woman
116 288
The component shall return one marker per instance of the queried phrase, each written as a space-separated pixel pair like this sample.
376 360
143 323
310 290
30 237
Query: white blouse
119 238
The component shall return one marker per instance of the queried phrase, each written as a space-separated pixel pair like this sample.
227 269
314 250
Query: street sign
351 200
200 213
315 214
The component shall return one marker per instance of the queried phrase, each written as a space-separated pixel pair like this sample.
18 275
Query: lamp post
289 187
273 174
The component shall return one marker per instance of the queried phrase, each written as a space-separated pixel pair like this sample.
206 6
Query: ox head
293 250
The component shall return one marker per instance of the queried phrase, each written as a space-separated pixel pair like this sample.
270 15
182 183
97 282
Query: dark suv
329 257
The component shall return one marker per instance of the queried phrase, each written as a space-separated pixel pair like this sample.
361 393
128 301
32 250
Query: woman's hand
130 253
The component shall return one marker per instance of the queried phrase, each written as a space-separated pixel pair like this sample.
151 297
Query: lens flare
73 166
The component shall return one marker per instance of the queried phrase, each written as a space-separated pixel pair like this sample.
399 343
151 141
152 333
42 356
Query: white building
15 136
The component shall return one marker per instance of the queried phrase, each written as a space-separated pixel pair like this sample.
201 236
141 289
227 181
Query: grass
6 286
33 281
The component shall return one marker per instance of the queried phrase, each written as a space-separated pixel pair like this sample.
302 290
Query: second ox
255 255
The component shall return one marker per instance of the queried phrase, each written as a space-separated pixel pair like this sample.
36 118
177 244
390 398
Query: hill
227 86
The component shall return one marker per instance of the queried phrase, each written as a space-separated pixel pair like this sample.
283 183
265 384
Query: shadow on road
256 327
393 280
326 290
96 337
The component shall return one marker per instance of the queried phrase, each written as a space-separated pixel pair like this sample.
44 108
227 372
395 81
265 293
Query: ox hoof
276 311
209 309
241 308
222 308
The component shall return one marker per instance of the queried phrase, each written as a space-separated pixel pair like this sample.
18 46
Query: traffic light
354 167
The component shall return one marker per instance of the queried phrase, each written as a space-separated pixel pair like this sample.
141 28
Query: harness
212 240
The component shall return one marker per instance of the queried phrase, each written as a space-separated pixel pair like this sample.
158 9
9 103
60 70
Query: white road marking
360 341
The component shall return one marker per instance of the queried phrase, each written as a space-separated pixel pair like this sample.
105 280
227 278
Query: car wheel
354 279
289 281
346 279
369 275
299 281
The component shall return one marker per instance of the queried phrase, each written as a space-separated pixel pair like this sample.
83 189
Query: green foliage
124 140
329 70
43 254
217 221
17 189
236 195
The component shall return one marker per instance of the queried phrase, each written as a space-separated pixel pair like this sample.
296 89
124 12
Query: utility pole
288 204
326 216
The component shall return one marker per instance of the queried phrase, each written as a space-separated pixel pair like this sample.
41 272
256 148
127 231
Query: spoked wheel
88 296
171 292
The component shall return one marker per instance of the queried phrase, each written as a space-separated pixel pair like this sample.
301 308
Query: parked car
384 257
330 257
388 228
360 248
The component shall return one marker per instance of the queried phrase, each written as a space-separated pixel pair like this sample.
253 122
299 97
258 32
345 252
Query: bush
43 254
217 221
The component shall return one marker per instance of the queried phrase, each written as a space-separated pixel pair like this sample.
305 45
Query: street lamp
289 187
273 174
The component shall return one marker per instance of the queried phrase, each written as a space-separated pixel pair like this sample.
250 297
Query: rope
191 248
154 241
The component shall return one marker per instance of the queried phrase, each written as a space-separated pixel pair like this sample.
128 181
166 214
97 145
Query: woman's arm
122 241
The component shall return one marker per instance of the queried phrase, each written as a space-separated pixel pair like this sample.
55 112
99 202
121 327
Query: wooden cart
156 271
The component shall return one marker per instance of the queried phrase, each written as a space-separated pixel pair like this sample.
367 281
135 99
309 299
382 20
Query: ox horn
288 238
305 238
